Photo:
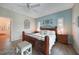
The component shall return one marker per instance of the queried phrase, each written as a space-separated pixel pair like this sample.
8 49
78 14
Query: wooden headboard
51 29
54 28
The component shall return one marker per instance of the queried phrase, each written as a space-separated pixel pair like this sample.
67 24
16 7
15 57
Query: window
26 24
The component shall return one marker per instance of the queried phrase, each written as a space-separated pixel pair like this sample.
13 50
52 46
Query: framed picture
47 23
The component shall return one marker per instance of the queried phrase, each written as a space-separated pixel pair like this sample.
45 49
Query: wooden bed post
23 36
46 45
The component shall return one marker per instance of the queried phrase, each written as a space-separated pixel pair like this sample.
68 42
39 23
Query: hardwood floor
63 49
57 49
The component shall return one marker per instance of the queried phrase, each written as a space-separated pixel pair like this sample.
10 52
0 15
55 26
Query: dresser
62 38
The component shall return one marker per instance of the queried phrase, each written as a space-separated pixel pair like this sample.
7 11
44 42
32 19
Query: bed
41 41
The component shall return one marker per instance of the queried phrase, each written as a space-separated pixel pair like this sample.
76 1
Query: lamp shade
38 26
60 26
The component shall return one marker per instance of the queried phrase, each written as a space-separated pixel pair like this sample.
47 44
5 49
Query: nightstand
62 38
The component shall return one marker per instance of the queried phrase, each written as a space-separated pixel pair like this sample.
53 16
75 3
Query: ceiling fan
29 5
33 5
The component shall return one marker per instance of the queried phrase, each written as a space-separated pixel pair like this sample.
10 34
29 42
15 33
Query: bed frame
40 46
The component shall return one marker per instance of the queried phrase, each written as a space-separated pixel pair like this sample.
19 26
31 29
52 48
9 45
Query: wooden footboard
40 46
30 39
46 45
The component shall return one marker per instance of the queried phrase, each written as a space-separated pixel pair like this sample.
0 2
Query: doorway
4 32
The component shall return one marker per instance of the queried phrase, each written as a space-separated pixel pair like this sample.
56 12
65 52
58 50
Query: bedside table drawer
62 38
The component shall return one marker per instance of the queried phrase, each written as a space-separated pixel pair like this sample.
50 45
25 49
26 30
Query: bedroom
61 18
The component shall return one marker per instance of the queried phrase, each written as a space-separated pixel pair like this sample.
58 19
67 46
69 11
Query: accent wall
51 21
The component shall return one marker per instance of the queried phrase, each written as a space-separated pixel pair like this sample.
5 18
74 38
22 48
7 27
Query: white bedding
37 35
51 42
51 35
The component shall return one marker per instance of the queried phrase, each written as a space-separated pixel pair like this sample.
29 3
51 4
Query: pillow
50 32
43 32
47 32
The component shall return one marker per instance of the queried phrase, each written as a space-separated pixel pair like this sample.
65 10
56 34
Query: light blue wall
66 14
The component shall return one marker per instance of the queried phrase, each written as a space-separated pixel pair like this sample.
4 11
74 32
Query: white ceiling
39 11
